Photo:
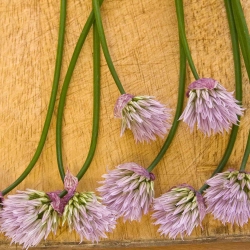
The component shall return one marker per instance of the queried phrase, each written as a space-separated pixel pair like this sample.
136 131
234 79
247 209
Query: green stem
96 106
181 94
181 27
105 50
243 33
96 103
246 154
51 103
65 87
238 86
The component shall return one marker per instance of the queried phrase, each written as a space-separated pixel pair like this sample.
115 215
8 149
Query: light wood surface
204 246
143 39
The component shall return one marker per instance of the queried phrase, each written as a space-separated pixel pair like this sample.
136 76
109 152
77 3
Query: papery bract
143 115
128 190
70 184
1 198
178 211
227 197
211 106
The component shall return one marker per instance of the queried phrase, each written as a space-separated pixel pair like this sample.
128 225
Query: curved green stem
181 27
51 103
246 154
105 46
238 92
96 106
65 87
181 94
243 33
96 103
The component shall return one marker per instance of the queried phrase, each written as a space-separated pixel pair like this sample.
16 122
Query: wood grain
143 41
198 244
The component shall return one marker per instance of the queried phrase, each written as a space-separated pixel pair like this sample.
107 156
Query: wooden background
143 39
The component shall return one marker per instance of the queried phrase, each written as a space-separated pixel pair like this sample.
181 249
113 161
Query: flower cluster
178 211
228 197
28 217
88 217
128 190
144 116
211 106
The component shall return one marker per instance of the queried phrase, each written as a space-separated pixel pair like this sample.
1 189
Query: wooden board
143 39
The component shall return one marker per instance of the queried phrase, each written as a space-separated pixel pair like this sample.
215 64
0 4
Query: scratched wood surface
143 40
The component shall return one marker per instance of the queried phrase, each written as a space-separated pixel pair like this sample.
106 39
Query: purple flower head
88 217
144 116
178 211
228 197
27 217
128 190
211 106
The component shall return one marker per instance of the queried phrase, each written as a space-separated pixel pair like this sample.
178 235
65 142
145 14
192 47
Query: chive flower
143 115
83 212
227 197
128 190
178 211
211 106
88 216
28 217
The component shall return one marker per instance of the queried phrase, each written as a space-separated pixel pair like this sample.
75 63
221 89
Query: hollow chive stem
65 87
96 105
246 154
242 31
181 94
96 102
51 102
181 27
105 49
238 92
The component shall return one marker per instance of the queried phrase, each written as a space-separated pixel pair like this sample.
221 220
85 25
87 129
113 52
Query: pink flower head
128 190
144 116
178 211
88 217
28 217
227 197
211 106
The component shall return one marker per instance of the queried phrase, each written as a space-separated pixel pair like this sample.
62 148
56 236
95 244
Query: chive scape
242 31
182 33
65 87
96 106
181 94
246 154
105 49
238 92
96 102
51 102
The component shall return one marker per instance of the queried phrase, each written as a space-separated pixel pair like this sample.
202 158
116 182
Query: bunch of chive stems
240 41
96 99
